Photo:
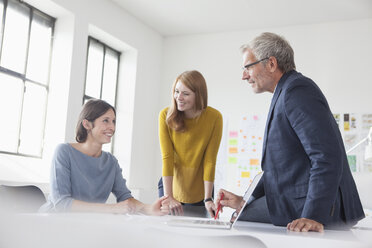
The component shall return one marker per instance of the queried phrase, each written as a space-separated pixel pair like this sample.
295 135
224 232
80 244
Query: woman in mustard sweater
190 133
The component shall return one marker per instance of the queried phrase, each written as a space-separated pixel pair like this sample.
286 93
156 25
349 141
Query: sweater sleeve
61 179
211 151
120 189
166 145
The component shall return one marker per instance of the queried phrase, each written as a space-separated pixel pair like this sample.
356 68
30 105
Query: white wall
335 55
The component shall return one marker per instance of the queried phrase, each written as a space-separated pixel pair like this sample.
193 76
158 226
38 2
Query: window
25 53
101 74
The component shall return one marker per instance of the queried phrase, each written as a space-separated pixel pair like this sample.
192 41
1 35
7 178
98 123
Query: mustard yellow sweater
190 156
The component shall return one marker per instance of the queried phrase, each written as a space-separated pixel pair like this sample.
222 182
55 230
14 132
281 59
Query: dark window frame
22 76
87 97
105 47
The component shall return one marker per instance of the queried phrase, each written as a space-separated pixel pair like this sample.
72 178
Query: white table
109 230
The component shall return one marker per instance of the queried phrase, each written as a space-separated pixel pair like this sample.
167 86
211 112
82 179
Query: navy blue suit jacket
306 169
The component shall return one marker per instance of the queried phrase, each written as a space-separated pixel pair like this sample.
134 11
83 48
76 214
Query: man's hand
229 200
305 225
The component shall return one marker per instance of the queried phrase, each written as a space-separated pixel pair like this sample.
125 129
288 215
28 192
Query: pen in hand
219 207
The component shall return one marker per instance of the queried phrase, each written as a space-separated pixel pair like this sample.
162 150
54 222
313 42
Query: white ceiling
181 17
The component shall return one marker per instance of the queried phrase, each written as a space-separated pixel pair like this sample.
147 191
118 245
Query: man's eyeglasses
246 67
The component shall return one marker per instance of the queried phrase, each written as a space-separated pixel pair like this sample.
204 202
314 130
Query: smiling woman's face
185 98
103 128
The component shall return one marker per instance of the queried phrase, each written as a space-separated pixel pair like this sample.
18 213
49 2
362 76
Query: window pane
32 127
39 50
15 37
11 91
110 76
94 70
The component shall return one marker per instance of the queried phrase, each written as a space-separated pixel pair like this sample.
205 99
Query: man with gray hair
307 184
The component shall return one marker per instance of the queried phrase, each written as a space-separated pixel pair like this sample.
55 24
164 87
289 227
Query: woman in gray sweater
83 176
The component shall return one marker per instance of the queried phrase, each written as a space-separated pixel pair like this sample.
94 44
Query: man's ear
87 124
273 64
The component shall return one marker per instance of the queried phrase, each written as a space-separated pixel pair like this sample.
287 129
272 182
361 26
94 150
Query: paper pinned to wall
249 154
354 127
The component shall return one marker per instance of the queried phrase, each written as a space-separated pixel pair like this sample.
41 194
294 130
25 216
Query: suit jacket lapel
277 92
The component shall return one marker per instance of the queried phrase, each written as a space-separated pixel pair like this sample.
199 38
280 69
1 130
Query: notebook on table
211 223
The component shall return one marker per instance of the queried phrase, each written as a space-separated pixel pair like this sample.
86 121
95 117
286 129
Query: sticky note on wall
254 162
233 134
246 174
233 150
233 142
233 160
